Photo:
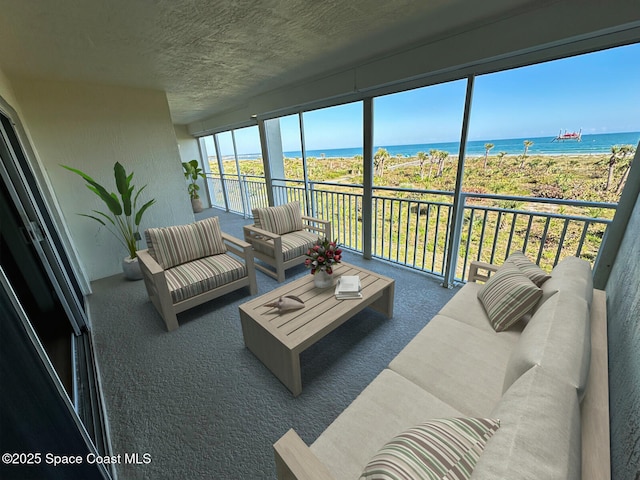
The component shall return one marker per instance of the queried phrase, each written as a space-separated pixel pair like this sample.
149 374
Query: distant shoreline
468 156
591 144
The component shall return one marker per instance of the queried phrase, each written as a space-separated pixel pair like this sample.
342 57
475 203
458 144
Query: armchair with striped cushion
281 237
187 265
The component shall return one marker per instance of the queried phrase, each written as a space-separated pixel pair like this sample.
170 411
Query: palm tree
359 159
433 158
527 144
442 156
487 147
613 159
378 161
422 158
624 151
500 157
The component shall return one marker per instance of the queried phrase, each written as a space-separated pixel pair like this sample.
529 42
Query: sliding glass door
49 381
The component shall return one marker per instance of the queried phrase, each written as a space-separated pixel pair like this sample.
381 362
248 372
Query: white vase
131 268
322 279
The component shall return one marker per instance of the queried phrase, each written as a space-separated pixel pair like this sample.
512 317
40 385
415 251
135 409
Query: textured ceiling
209 56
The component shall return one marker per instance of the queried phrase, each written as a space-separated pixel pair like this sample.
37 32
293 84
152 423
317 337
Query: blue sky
597 93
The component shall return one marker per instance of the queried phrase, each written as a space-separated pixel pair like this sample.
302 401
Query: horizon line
458 141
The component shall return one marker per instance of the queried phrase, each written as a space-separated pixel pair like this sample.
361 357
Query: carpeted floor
202 405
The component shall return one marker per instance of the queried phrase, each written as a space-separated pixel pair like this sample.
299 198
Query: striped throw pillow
171 246
445 449
530 269
507 296
281 219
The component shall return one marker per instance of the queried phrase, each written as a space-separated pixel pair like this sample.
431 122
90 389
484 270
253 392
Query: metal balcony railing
412 227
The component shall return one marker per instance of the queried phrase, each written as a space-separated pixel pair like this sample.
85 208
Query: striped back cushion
281 219
508 296
530 269
439 449
171 246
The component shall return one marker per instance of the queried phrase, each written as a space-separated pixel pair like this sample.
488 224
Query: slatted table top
298 329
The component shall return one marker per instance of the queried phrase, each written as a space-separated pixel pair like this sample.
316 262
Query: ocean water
590 144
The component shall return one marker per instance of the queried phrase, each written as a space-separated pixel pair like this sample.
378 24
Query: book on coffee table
348 287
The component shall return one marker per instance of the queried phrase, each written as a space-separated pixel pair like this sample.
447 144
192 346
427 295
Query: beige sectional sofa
531 377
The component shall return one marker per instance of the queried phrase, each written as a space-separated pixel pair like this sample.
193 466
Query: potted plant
192 172
321 258
123 216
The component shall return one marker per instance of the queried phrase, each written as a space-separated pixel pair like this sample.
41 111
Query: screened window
333 142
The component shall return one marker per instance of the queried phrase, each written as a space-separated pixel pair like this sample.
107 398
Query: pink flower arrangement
323 256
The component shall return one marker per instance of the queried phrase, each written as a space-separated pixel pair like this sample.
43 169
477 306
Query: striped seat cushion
294 244
444 449
507 296
530 269
171 246
281 219
199 276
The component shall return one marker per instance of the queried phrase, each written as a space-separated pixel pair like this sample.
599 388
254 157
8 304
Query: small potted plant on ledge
321 258
124 216
192 172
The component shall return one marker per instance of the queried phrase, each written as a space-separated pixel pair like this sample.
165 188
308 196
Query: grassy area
576 177
411 227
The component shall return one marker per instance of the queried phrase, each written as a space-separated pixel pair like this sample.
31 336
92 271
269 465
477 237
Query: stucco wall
90 127
623 309
188 148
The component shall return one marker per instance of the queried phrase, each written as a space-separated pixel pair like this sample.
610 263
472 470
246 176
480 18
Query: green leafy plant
124 216
192 172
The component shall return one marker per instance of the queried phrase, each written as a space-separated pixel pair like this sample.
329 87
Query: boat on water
575 136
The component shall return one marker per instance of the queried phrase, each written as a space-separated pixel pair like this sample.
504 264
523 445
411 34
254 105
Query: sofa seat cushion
389 405
294 244
558 339
466 308
446 448
539 435
171 246
280 220
200 276
461 365
507 296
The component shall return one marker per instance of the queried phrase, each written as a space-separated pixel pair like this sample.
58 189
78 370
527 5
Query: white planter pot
322 279
131 268
196 205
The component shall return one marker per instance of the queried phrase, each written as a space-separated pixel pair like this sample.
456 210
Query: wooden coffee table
277 340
